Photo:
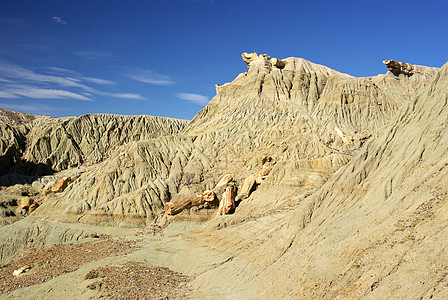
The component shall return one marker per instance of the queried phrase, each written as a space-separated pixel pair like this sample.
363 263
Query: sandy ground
129 280
128 264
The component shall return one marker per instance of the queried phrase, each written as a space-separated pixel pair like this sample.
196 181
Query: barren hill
59 143
341 183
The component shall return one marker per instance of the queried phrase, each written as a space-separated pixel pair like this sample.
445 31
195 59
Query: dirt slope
376 229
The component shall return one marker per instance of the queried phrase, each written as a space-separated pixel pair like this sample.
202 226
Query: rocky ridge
354 197
296 114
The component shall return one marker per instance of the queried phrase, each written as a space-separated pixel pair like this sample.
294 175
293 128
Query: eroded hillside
347 194
295 114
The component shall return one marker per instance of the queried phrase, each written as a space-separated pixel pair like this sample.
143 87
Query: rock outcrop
176 206
227 203
398 67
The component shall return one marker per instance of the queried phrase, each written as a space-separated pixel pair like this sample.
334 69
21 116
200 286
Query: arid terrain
296 181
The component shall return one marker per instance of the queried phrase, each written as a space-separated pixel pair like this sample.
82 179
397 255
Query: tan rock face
398 68
247 187
332 219
227 203
176 206
61 184
248 57
209 196
255 61
33 207
25 202
277 63
224 181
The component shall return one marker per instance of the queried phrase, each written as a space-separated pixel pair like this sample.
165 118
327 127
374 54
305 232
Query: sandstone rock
260 176
277 63
248 185
33 207
291 113
224 181
61 184
209 196
298 242
249 57
227 203
398 68
176 206
25 202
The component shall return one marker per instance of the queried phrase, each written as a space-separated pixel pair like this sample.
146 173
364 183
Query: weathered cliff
297 113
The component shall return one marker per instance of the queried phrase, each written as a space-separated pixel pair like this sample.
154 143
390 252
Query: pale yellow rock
33 207
25 202
209 196
61 184
176 206
224 181
332 220
277 63
260 176
248 57
247 187
227 203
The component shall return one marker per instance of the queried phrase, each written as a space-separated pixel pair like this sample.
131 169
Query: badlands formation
295 182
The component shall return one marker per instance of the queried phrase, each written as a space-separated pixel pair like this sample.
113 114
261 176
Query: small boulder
33 207
227 203
209 196
61 184
25 202
224 181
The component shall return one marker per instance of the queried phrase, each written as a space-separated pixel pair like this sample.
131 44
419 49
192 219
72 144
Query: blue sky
163 58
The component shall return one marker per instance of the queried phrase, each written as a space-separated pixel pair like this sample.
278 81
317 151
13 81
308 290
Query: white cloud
196 98
58 70
38 93
95 55
17 72
151 77
16 81
4 94
34 108
125 96
97 80
59 20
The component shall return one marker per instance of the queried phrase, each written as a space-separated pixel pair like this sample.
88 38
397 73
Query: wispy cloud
196 98
151 77
97 80
58 70
125 96
17 81
4 94
95 55
30 108
38 93
17 72
59 20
